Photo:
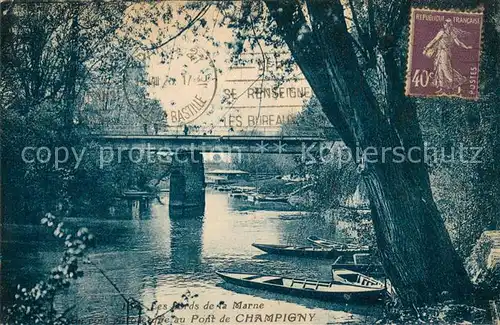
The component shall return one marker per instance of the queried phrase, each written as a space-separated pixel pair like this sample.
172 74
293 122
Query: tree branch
366 41
64 313
263 63
110 281
402 110
291 22
355 20
200 14
399 12
360 48
372 31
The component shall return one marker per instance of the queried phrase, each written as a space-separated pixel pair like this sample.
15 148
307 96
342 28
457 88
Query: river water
159 259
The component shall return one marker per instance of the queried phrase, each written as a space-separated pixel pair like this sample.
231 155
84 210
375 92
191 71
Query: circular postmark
183 86
188 87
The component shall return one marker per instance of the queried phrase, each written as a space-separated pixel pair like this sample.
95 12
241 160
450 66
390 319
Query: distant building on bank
225 176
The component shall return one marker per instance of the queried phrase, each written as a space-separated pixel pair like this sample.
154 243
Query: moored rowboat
349 277
316 289
269 198
344 247
302 251
362 263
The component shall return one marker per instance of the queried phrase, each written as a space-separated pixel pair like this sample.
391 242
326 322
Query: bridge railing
194 130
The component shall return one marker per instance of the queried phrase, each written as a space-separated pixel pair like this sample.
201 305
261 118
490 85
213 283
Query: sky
197 85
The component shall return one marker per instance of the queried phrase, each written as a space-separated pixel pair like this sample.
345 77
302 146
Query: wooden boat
238 195
272 198
362 263
303 251
307 288
353 278
345 248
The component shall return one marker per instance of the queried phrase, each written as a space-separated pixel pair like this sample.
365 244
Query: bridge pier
187 185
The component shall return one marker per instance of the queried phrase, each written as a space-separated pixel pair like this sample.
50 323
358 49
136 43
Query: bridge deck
210 143
212 137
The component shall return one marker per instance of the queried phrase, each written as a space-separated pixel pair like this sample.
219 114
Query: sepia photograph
286 162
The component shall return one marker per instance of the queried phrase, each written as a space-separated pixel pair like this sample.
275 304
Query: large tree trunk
490 73
416 249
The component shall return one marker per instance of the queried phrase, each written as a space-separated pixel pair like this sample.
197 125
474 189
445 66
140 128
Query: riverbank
160 258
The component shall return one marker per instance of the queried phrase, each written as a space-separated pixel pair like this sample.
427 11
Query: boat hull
373 270
297 251
356 297
342 249
273 199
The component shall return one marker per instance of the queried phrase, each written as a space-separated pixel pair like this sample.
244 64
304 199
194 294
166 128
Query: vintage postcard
444 53
248 162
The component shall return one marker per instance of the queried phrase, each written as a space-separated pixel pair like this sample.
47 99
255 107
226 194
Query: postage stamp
444 53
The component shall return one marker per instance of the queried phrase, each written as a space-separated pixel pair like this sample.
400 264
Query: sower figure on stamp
446 79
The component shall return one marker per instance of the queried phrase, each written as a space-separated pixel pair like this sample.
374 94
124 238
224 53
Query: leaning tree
356 68
416 250
353 55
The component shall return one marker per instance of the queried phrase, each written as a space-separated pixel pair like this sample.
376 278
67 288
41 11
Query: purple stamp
444 53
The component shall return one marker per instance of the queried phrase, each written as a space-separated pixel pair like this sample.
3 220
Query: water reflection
306 302
159 258
186 243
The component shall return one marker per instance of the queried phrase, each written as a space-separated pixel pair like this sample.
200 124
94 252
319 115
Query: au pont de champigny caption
248 316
